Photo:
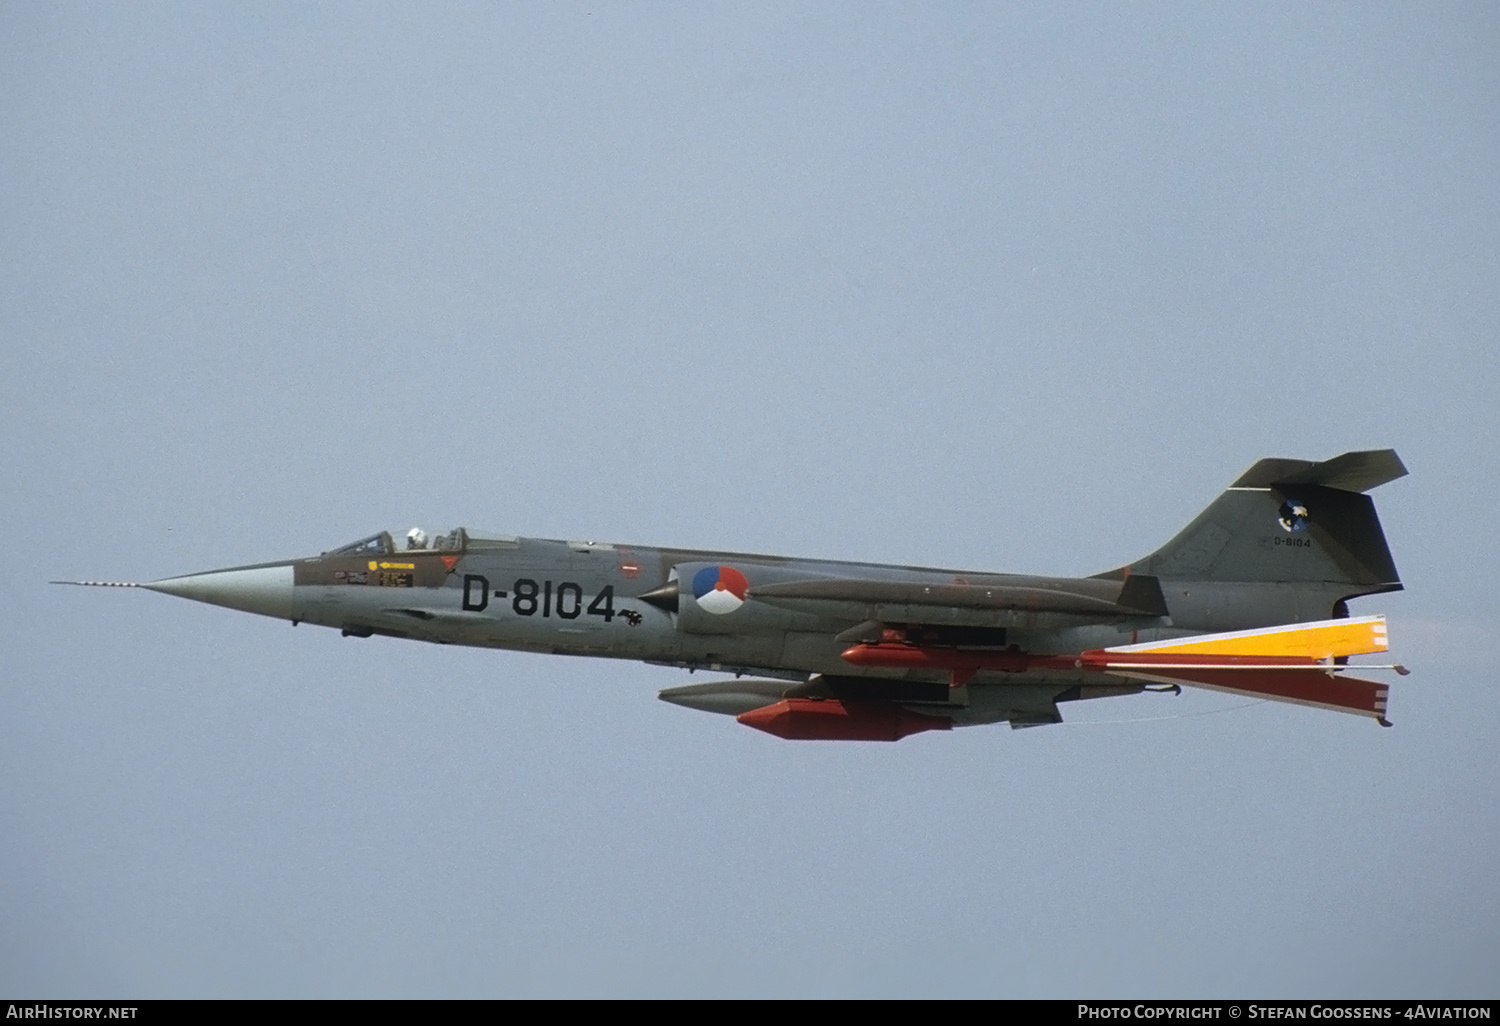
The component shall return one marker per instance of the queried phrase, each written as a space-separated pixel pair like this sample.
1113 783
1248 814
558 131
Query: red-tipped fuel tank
829 719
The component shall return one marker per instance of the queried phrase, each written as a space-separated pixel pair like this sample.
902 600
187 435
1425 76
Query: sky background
1001 287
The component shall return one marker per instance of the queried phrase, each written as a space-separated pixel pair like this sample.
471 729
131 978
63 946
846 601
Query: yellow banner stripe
1318 640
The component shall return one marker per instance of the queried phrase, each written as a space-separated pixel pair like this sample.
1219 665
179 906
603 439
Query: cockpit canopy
456 540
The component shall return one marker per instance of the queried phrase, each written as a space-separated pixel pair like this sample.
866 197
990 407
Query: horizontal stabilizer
1351 472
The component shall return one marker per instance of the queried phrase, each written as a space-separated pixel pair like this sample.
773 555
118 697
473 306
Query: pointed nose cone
258 589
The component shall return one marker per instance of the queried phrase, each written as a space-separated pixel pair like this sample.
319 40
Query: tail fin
1293 523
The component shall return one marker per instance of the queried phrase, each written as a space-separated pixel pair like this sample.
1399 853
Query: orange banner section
1321 639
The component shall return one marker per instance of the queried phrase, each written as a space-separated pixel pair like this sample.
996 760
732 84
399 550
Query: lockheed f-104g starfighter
1251 597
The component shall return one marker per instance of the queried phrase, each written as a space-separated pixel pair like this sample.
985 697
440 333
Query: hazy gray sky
992 286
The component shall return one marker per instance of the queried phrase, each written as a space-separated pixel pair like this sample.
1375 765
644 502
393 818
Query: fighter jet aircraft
1251 597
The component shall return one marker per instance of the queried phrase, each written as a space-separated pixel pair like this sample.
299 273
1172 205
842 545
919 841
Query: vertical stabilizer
1298 527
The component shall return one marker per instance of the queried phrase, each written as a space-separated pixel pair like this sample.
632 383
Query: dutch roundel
720 589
